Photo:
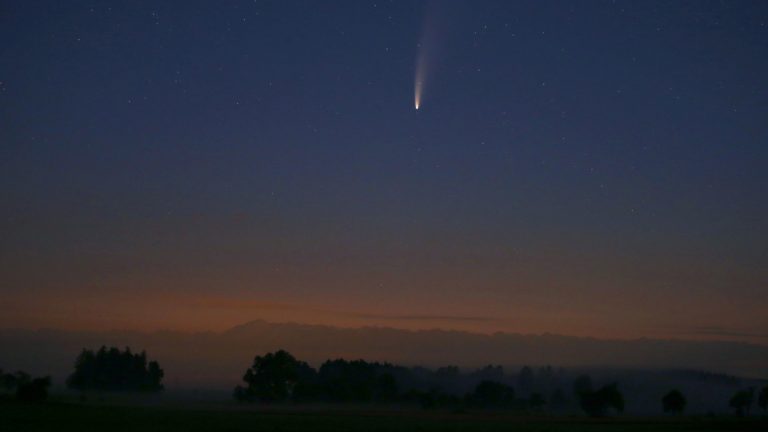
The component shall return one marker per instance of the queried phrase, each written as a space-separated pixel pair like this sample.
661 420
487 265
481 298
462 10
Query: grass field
85 417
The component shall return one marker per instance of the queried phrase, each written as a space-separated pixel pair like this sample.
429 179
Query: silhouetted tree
35 390
347 381
612 397
357 381
673 402
597 403
742 401
762 398
113 370
11 381
274 378
25 388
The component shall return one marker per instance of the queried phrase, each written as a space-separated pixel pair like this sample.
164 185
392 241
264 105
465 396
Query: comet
425 51
421 72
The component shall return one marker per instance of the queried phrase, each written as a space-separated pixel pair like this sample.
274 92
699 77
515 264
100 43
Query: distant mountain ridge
218 359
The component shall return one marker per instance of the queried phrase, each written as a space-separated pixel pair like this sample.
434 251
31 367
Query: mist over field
215 361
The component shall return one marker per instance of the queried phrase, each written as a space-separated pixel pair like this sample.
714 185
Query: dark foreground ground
55 417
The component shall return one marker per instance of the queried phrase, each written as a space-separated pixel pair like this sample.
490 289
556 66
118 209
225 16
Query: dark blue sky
612 154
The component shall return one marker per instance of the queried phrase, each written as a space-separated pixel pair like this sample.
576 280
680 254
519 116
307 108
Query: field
90 417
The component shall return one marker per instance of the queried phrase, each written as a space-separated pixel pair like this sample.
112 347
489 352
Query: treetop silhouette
115 370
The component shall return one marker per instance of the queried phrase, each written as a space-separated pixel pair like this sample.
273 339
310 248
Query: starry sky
593 168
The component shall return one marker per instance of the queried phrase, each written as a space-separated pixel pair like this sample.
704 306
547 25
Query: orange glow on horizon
202 313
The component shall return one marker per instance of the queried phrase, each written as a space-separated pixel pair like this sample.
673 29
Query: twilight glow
198 167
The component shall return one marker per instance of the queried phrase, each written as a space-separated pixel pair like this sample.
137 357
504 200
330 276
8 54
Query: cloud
462 318
245 303
724 331
714 331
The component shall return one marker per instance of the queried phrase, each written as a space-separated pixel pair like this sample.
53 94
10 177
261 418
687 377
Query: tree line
278 377
107 369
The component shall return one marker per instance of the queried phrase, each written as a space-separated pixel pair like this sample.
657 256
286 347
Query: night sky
583 168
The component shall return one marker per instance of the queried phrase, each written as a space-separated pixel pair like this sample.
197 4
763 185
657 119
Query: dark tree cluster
279 377
357 381
600 402
276 377
115 370
741 401
24 387
490 388
762 399
673 402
